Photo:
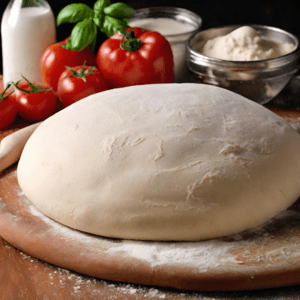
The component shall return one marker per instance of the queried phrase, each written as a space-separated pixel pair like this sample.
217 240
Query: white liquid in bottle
26 33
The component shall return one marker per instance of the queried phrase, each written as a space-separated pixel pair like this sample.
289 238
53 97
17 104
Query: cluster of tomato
37 102
30 102
70 75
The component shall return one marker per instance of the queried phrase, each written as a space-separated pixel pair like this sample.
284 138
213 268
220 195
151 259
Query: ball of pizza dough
162 162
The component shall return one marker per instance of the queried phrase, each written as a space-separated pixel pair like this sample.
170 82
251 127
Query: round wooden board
264 257
267 256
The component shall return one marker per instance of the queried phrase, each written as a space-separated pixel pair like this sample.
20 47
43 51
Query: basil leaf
74 13
119 10
100 5
99 20
83 34
111 25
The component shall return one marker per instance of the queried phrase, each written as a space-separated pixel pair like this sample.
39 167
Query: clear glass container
176 25
27 29
259 80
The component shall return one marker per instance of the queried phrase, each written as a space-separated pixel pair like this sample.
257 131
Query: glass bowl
177 40
259 80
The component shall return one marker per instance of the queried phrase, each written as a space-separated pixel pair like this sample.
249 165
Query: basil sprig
109 18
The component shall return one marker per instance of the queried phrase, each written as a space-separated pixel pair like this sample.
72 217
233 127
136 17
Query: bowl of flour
255 61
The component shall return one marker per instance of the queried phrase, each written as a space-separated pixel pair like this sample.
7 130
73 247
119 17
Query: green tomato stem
82 73
130 42
2 97
34 88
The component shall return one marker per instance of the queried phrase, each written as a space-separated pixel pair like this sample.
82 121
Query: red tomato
79 82
8 109
152 62
35 104
55 58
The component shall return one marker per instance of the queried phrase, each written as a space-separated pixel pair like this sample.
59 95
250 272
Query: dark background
282 14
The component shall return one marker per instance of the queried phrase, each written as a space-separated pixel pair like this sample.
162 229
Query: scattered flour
199 255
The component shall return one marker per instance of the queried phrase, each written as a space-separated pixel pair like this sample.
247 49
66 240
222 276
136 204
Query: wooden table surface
25 277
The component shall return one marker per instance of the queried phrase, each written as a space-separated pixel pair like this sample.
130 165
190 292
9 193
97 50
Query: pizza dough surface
162 162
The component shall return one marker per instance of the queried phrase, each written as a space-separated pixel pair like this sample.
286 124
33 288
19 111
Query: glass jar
176 25
27 29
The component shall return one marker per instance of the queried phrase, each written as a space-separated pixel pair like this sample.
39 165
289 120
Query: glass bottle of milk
27 29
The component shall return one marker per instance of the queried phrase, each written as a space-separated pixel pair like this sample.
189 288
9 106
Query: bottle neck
34 3
27 3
